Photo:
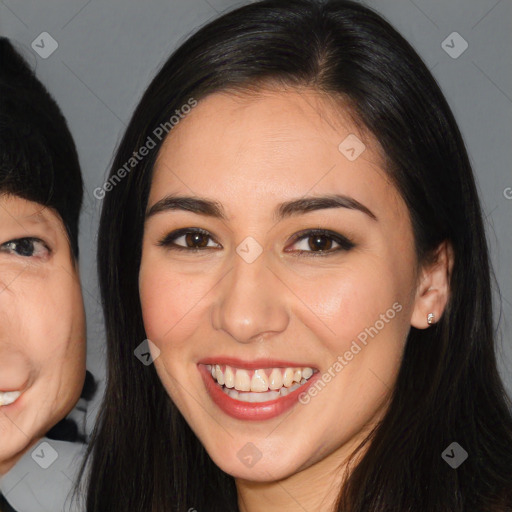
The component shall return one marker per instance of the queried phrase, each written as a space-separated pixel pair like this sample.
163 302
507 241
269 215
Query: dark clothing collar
4 505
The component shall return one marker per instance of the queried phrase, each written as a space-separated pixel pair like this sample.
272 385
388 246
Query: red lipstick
257 411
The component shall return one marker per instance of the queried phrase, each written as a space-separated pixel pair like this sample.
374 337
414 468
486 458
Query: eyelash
4 247
343 242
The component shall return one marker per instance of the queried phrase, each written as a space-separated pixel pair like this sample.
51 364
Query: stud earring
430 318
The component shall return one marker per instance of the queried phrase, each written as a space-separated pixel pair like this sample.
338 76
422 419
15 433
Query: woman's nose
251 300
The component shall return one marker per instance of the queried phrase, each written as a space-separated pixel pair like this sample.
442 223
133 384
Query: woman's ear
433 290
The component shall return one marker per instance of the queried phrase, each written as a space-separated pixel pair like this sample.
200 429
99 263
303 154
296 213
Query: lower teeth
249 396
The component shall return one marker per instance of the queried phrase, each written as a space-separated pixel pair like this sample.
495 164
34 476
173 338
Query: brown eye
196 240
320 243
188 239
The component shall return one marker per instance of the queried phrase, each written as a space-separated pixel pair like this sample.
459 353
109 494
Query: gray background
109 51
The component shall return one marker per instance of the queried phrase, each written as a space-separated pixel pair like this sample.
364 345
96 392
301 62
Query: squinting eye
192 239
319 242
26 247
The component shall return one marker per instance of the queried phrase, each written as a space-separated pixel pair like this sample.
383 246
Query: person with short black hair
42 318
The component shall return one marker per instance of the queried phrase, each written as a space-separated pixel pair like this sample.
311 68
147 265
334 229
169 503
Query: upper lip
26 384
254 364
11 389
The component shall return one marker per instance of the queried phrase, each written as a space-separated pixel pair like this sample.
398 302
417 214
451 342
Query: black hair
38 157
143 455
39 163
73 429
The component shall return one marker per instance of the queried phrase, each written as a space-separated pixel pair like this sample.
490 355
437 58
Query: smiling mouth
9 397
260 385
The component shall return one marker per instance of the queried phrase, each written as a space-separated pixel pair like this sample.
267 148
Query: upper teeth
258 380
8 397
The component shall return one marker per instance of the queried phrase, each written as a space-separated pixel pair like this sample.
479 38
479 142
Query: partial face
300 311
42 335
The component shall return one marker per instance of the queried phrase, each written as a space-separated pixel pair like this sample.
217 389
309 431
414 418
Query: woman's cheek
163 301
346 300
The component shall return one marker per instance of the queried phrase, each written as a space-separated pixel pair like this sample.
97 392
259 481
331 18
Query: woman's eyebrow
309 204
298 206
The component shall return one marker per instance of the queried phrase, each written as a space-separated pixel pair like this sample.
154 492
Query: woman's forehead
275 146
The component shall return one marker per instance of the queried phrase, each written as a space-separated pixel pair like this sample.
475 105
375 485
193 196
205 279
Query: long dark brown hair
143 456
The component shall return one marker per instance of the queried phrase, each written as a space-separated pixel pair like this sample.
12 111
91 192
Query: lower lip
252 411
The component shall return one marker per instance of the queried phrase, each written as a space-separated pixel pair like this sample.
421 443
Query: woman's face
271 287
42 338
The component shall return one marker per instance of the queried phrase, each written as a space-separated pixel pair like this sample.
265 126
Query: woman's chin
248 463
